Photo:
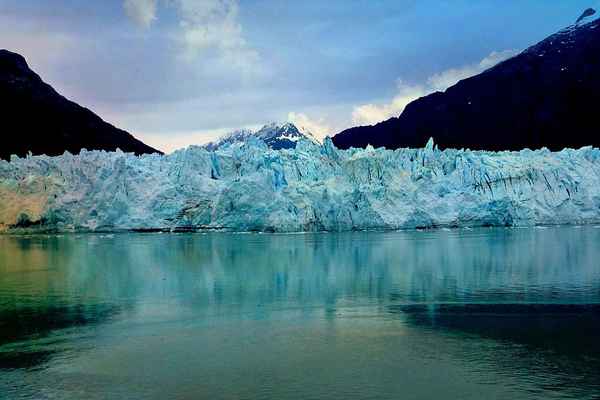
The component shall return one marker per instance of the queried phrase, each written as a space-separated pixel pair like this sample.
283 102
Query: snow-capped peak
274 135
306 132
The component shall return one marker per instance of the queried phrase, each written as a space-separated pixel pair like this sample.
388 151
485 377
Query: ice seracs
312 187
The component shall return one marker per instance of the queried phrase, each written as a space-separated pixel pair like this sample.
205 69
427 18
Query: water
481 314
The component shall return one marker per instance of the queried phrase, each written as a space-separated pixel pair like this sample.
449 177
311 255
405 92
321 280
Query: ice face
250 187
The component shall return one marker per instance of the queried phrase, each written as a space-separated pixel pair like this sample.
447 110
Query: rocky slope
547 96
35 118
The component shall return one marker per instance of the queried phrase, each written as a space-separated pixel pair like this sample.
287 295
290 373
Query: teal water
480 314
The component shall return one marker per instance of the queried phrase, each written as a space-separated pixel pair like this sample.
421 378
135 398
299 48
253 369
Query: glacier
312 187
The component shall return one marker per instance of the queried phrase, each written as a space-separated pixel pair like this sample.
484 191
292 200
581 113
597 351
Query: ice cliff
250 187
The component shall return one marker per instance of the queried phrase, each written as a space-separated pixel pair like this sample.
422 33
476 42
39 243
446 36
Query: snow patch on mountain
273 135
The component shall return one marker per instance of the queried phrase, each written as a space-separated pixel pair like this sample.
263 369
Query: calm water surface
481 314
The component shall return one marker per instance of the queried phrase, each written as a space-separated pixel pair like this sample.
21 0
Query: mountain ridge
275 136
38 119
543 97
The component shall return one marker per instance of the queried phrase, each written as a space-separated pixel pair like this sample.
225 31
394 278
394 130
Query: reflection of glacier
249 187
483 265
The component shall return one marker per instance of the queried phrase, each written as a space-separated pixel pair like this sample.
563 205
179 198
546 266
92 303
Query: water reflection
532 293
553 345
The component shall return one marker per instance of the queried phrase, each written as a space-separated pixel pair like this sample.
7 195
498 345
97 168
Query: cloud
369 114
445 79
318 128
142 12
212 25
207 29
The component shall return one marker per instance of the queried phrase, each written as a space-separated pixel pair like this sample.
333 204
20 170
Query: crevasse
249 187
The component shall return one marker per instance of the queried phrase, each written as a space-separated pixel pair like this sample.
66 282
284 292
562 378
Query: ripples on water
488 313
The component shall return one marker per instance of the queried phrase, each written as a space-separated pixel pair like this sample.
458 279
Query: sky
181 72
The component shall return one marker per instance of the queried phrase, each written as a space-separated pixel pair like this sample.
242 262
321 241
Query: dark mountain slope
34 117
549 95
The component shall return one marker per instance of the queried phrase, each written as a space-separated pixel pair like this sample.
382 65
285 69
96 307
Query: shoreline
13 232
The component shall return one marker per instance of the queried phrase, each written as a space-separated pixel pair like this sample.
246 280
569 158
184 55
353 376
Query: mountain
273 135
36 118
546 96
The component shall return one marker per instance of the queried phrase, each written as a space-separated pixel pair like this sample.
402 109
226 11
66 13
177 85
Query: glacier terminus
248 186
